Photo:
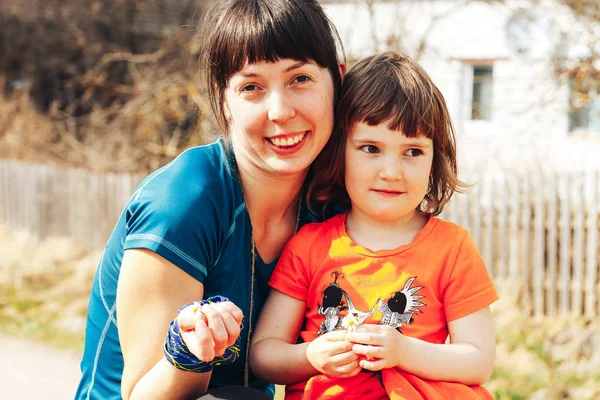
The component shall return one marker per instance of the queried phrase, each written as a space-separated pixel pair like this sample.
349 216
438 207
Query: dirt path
32 371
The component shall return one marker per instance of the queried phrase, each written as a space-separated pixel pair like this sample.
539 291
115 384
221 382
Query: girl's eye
414 152
370 149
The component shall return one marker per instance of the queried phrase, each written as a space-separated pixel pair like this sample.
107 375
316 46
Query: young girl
375 292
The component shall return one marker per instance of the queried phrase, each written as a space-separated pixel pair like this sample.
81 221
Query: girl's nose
391 170
279 107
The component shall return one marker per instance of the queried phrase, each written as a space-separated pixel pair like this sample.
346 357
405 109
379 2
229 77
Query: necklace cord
253 252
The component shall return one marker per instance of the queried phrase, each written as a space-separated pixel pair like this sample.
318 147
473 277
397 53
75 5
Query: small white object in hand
351 322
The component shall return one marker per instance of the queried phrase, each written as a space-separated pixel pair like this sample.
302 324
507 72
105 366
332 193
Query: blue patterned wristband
178 354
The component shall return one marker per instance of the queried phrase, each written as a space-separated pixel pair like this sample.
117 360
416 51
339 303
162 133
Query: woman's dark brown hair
393 89
248 31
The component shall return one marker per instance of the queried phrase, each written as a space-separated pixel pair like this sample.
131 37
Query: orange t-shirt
418 288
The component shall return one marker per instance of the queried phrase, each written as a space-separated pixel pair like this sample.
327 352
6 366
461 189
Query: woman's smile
288 143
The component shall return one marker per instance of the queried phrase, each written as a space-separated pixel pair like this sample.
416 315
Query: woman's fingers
234 310
217 328
187 318
231 323
200 341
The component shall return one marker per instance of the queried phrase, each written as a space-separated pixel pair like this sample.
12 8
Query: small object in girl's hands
351 322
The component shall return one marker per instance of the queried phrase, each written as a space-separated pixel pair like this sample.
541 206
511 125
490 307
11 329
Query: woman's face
280 114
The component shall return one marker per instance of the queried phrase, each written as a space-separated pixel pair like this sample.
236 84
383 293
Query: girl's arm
275 356
468 358
149 294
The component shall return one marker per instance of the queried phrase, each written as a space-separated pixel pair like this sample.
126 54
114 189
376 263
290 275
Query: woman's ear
342 71
226 112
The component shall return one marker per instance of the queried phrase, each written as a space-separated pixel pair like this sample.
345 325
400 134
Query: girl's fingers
335 348
369 351
364 338
335 336
350 370
344 358
372 365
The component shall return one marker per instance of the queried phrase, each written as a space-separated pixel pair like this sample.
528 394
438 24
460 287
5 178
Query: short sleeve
291 275
179 222
469 287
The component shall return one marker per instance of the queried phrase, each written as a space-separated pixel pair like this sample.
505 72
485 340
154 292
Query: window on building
481 101
584 104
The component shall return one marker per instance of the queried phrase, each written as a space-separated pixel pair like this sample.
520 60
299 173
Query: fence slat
552 223
513 230
502 216
565 243
591 273
578 227
538 245
525 247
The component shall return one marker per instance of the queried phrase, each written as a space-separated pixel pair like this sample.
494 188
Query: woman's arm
149 294
468 358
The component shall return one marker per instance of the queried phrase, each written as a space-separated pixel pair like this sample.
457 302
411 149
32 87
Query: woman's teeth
287 142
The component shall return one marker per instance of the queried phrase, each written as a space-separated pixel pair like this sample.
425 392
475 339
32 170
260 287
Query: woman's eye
370 149
414 152
302 79
249 88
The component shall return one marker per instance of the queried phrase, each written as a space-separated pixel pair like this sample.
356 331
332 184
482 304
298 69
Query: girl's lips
388 192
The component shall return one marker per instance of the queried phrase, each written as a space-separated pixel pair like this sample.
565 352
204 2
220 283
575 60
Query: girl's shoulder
320 230
445 227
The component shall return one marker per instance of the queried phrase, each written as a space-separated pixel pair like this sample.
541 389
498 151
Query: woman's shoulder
198 181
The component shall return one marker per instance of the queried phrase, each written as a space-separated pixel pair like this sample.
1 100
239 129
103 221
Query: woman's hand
381 346
210 329
332 355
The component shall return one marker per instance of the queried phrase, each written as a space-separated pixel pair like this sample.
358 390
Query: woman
214 221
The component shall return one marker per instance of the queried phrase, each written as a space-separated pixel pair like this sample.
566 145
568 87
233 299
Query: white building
494 62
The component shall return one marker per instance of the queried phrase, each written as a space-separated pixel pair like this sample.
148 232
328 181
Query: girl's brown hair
391 88
248 31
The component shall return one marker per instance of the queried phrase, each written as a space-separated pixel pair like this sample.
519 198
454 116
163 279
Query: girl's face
386 173
280 114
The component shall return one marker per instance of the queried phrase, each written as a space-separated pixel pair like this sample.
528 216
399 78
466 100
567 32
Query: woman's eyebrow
297 65
292 67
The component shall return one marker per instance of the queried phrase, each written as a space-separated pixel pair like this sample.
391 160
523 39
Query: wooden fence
51 201
537 232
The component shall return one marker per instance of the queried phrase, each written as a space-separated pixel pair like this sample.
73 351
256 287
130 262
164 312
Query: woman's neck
269 197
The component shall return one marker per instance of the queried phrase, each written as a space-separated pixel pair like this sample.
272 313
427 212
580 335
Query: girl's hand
380 345
331 354
210 329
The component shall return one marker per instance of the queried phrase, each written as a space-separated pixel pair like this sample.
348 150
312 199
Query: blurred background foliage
109 85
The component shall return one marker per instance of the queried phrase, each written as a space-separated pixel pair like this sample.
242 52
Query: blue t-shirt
192 213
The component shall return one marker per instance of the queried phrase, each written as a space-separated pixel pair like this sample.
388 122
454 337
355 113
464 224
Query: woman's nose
280 107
